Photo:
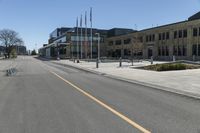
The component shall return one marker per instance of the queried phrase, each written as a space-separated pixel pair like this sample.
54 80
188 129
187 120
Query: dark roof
119 31
163 26
195 16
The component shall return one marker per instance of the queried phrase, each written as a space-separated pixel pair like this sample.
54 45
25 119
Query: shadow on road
42 59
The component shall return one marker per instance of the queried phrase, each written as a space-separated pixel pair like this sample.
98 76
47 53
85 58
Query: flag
90 14
81 21
85 18
77 22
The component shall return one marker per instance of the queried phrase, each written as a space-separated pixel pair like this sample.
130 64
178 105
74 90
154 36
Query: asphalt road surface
49 98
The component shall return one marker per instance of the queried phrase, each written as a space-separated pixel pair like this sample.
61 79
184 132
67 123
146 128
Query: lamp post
58 51
98 58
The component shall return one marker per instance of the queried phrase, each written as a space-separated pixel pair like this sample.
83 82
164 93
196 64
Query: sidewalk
185 82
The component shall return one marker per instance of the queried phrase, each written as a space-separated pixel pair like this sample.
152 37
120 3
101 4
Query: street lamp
98 58
58 51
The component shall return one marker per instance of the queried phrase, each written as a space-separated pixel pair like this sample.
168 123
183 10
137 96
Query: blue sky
35 19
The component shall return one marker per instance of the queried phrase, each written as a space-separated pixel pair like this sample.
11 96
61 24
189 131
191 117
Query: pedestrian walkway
186 81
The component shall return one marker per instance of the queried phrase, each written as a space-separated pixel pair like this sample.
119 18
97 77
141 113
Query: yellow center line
131 122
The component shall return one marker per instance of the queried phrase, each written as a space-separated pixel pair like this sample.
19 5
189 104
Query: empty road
49 98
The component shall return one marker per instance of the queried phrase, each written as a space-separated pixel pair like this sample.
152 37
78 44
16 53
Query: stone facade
179 39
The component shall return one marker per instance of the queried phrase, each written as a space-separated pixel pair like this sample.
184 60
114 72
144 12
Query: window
141 39
179 51
199 31
163 51
167 51
163 36
150 38
159 51
175 34
194 31
127 41
185 33
147 38
167 35
110 43
199 50
160 36
184 50
118 42
127 52
194 49
174 50
153 37
180 34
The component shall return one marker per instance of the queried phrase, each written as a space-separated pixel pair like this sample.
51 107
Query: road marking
131 122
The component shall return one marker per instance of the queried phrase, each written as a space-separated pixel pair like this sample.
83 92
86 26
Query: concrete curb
152 86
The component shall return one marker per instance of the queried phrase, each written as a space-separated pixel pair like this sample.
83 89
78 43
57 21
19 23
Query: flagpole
77 47
81 37
91 39
86 48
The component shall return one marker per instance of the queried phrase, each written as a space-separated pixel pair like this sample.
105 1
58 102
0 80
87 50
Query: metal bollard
193 57
151 60
120 62
97 63
174 58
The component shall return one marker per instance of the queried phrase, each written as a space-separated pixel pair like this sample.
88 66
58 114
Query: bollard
120 62
193 57
74 60
131 62
174 58
97 63
78 61
151 60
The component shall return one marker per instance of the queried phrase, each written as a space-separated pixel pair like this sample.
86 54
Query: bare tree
9 38
136 47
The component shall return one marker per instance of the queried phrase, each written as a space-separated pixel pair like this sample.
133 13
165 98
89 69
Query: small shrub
13 53
168 67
